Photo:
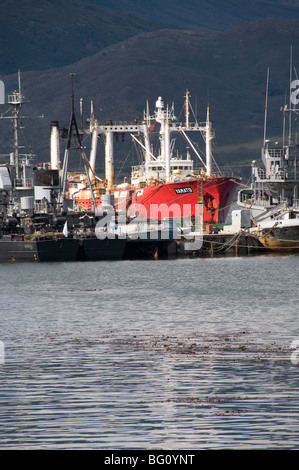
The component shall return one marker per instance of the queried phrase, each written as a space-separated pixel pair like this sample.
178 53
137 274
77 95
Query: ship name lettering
183 190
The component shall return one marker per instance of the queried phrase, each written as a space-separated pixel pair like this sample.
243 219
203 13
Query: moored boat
95 249
272 198
165 185
37 221
18 248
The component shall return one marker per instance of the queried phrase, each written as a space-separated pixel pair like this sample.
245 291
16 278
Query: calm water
181 354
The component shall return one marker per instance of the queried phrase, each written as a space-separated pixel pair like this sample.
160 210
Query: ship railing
108 122
138 167
281 175
23 182
276 176
285 174
250 198
291 175
15 98
138 171
261 173
244 198
41 207
275 152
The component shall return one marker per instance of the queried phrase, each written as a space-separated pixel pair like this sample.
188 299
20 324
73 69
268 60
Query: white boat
272 198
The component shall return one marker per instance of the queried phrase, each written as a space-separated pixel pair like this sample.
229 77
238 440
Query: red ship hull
180 199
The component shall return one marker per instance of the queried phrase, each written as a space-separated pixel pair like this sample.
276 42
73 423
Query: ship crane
63 183
108 130
168 125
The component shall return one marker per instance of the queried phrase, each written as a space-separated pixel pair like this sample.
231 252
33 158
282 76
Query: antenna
19 79
266 107
290 114
187 108
284 120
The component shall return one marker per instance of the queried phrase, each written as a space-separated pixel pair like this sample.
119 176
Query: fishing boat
37 221
27 230
166 184
272 198
43 248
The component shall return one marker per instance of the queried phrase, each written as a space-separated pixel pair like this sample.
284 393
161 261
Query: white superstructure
166 166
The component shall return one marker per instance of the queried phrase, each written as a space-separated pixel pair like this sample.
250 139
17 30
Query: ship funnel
54 146
109 161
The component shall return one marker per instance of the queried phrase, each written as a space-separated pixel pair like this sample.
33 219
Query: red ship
166 185
180 199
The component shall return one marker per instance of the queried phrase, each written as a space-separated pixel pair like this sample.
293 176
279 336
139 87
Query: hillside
226 69
37 35
204 15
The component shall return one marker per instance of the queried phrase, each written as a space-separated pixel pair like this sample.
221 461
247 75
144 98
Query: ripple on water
177 355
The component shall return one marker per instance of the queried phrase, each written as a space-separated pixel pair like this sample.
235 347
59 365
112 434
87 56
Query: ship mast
208 144
163 118
208 134
266 108
15 100
187 113
290 93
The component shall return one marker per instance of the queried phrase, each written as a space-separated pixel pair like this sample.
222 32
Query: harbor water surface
172 354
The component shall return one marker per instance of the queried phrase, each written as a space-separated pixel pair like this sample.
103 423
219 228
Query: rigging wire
125 161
